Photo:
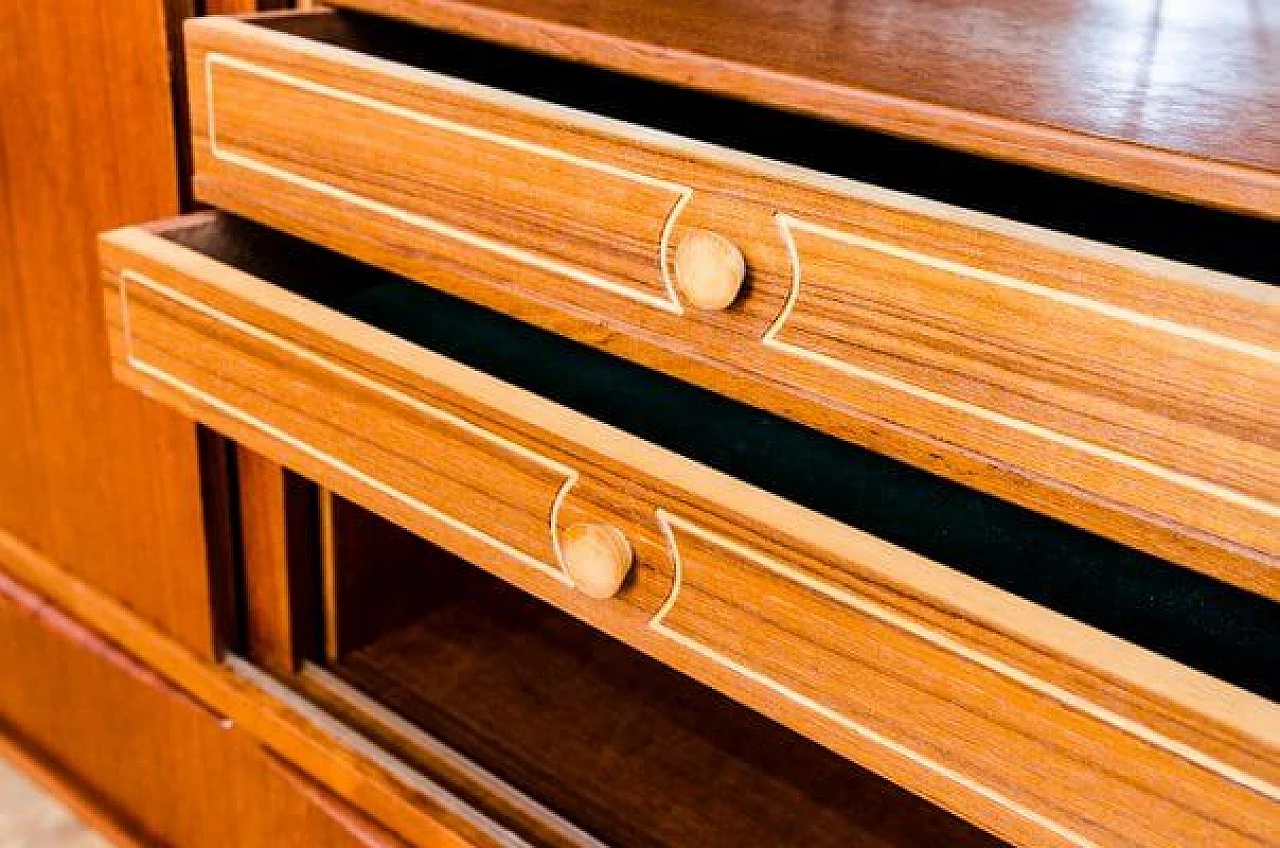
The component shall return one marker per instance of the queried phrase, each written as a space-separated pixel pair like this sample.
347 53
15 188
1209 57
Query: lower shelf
621 746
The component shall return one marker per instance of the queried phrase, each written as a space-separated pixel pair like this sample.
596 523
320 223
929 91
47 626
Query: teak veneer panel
1130 395
97 478
1180 99
1041 729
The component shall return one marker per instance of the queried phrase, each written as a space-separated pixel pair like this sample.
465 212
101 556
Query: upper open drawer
1130 395
1036 726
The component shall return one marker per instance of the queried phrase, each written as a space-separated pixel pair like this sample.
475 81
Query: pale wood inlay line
666 521
681 193
1119 313
569 474
786 223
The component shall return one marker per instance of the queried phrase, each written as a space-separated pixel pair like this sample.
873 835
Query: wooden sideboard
706 423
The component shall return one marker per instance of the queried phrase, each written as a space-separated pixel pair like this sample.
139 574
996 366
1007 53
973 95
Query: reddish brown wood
48 687
631 751
363 829
1041 729
1173 98
95 477
278 526
243 7
151 763
1032 366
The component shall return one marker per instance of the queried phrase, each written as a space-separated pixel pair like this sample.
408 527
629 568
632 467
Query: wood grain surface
269 716
156 766
280 555
1129 395
1180 99
97 478
1040 729
378 577
373 579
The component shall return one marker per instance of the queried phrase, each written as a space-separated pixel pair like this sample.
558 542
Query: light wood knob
597 557
709 269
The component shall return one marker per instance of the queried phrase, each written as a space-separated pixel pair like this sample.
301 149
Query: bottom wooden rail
421 813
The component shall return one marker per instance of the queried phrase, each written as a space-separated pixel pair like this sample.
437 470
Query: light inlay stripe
786 224
570 475
667 521
681 194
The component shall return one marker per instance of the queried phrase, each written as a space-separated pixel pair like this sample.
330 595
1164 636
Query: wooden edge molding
1122 163
363 829
423 814
327 689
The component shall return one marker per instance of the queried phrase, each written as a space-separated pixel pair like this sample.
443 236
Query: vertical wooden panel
91 475
278 526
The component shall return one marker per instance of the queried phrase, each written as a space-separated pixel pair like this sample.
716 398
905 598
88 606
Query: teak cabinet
698 424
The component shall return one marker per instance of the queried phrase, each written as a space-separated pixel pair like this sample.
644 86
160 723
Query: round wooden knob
709 269
597 557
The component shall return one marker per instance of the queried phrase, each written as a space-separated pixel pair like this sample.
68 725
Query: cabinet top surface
1178 97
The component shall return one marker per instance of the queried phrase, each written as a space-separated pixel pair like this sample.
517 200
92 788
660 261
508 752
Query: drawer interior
1229 242
1198 621
630 751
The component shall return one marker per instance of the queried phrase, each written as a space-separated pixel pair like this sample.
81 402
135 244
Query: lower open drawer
1037 727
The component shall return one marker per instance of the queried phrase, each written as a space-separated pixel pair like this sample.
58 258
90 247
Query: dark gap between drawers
1224 241
1193 619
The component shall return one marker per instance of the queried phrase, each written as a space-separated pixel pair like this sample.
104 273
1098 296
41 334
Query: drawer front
1041 729
486 182
1122 393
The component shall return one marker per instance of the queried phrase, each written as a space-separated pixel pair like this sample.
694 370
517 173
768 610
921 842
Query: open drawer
1035 726
1112 389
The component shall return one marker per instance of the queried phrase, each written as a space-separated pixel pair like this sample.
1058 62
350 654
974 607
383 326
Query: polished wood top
1173 97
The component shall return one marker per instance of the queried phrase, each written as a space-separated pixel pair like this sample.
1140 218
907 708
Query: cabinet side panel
91 475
